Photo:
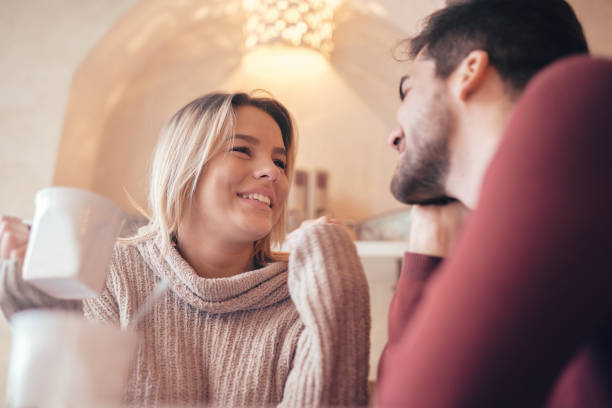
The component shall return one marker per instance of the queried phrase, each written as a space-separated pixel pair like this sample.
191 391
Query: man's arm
433 231
528 281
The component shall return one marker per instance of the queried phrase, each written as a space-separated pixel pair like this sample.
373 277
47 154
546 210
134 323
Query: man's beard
420 176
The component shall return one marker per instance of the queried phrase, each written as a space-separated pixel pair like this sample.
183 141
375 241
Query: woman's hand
14 236
326 220
320 220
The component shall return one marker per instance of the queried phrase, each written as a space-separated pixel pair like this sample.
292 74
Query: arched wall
161 55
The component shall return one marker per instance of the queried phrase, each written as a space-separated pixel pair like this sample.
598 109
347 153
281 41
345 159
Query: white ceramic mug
59 359
71 242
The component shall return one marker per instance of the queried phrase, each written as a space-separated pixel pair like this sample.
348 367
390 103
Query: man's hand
435 228
14 236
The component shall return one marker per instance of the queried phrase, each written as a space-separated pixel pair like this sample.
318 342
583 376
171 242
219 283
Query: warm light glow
273 61
299 23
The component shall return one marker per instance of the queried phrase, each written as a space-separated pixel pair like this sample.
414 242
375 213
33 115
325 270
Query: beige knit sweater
295 335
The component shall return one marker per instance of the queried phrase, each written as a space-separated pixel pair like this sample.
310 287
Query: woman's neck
213 259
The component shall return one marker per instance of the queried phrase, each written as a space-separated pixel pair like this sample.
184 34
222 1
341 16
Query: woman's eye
280 163
241 149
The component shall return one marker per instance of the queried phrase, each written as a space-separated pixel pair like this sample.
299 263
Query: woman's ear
470 74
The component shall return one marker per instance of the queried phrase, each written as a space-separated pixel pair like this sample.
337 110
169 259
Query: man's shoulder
565 100
583 73
579 64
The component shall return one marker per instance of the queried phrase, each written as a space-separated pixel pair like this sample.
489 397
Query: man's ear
470 74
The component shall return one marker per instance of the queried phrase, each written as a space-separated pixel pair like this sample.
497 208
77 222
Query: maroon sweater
519 314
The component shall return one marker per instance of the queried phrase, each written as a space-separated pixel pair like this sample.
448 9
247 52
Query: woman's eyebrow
247 138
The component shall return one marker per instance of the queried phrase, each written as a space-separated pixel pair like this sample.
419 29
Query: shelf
382 249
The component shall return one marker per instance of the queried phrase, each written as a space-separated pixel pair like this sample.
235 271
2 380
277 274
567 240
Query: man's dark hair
520 36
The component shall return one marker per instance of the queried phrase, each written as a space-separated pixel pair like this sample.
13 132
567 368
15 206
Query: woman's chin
252 228
255 233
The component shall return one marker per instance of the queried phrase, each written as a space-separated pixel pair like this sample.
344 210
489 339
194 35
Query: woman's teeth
257 197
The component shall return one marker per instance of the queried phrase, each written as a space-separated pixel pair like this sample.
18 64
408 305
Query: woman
240 326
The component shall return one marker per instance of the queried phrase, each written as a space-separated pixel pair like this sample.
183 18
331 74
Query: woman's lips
255 202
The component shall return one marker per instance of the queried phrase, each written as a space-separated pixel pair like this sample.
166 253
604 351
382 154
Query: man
518 314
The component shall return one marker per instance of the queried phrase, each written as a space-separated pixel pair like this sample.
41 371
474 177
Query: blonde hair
192 137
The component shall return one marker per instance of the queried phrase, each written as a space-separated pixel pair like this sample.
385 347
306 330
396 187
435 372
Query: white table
381 262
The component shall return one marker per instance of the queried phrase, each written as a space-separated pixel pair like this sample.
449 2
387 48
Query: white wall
595 16
41 44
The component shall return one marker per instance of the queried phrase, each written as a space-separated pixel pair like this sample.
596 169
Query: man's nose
395 138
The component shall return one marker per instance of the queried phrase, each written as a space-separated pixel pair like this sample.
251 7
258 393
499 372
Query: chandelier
298 23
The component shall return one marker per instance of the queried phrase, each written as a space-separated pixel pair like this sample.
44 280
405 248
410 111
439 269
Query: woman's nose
267 169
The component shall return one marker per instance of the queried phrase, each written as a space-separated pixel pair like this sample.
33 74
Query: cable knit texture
290 335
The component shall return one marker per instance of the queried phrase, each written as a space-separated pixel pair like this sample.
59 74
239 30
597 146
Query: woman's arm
330 290
15 293
105 308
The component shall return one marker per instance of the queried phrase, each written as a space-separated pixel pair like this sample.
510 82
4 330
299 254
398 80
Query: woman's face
240 194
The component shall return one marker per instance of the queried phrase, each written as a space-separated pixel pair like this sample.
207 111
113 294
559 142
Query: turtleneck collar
247 291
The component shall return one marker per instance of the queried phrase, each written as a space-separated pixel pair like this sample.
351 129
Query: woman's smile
260 195
257 200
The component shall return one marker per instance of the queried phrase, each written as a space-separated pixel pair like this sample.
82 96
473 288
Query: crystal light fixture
298 23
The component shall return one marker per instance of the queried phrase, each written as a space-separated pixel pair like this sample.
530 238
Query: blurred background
87 86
